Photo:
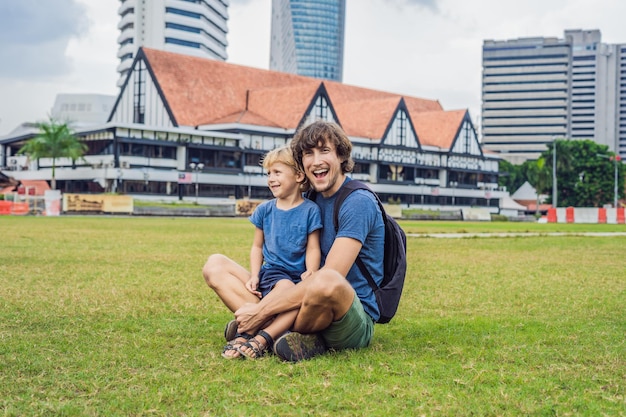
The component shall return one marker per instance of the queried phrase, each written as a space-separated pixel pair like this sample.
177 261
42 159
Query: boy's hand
252 285
306 274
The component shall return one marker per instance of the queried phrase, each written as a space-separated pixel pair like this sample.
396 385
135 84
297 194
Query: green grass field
106 316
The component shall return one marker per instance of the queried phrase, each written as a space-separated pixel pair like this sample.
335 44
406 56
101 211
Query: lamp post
118 183
615 160
554 182
453 184
420 181
197 168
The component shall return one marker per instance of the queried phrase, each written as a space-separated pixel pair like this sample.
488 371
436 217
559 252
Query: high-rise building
536 90
191 27
307 37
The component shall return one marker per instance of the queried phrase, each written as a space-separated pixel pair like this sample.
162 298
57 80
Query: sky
423 48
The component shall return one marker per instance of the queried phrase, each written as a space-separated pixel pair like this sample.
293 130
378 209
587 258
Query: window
401 128
320 110
139 93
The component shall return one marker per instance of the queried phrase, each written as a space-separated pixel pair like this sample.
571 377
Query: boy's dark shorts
270 276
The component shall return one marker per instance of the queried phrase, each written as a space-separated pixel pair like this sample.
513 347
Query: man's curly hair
319 133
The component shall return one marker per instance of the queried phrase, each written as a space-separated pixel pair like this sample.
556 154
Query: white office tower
191 27
536 90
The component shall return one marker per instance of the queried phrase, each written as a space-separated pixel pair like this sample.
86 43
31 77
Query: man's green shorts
354 330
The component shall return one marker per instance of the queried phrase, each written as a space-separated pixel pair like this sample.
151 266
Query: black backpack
390 290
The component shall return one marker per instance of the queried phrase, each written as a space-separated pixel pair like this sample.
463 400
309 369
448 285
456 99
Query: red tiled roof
39 185
7 190
201 91
437 128
531 205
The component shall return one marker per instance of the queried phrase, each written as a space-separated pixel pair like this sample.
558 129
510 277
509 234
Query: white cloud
424 48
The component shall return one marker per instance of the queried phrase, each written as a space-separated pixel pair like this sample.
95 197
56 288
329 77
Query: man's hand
248 318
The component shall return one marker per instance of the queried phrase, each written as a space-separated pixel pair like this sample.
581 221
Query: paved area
527 234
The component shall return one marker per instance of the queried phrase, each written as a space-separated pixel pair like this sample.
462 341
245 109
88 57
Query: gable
141 100
320 108
466 141
400 131
367 113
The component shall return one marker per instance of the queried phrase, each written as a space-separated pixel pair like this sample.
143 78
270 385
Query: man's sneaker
231 330
294 346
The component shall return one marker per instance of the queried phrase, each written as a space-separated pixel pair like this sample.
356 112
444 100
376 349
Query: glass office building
308 37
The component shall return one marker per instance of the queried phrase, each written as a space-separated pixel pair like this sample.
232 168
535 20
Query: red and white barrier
586 215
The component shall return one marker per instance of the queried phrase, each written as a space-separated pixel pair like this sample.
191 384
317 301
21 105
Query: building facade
165 136
192 27
82 109
536 90
307 38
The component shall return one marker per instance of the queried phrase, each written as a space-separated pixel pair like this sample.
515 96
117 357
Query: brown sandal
258 350
236 345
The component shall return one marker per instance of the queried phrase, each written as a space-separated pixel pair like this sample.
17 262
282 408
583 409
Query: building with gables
175 112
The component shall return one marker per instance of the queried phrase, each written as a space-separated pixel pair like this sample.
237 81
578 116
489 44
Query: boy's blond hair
285 155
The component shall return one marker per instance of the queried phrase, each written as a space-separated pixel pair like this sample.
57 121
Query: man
336 305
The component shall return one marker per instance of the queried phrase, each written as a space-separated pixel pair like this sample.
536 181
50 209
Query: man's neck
331 192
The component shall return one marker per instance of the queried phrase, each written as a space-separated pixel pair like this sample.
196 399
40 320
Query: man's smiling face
323 168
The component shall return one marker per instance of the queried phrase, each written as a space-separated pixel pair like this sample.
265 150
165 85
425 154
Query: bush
499 218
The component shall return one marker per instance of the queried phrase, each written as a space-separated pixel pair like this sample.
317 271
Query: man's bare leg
327 298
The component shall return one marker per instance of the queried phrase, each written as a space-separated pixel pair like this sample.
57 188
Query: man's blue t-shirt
285 233
359 218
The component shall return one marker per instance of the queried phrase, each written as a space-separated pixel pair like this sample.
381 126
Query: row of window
198 16
191 29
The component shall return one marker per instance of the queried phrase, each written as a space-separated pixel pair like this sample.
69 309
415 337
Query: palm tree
54 140
539 176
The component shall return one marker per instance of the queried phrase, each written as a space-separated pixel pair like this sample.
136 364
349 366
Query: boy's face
322 167
283 181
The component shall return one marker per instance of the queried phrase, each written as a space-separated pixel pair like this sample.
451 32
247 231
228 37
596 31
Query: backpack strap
346 189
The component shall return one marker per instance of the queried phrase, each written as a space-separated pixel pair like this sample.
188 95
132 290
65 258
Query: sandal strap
256 347
246 336
258 350
269 339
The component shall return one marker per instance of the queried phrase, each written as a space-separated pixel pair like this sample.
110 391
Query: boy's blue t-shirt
285 233
359 218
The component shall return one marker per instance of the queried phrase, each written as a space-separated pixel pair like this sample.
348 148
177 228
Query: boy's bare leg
320 299
227 279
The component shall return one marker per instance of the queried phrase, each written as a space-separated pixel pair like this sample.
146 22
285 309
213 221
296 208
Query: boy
285 249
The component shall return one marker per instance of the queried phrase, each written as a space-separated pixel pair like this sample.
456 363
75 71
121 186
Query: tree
54 140
539 176
585 172
511 176
585 179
